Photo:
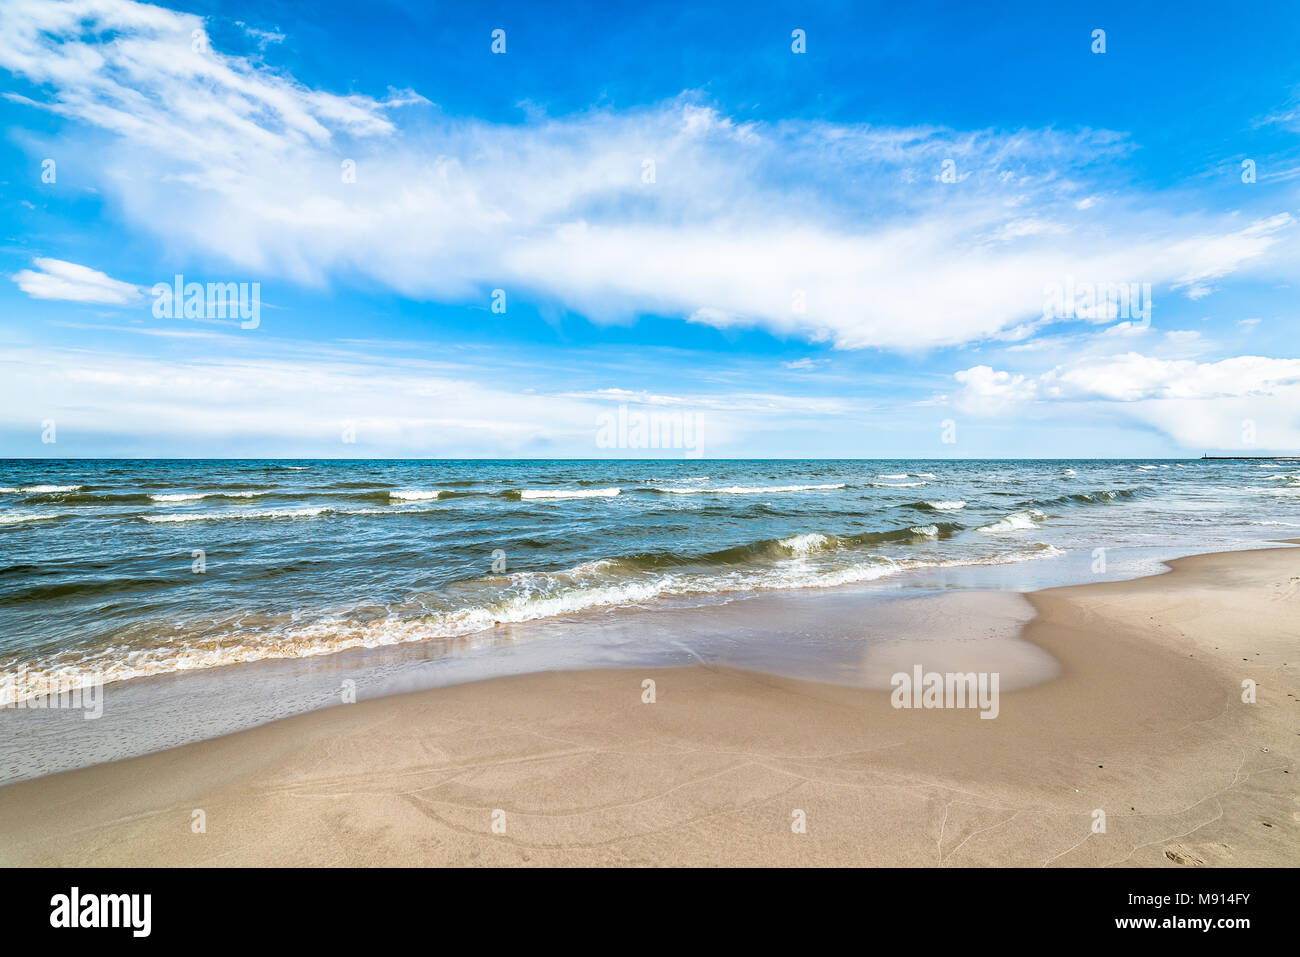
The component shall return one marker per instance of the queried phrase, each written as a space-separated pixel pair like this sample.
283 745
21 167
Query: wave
415 495
806 544
939 506
170 497
310 511
337 493
745 489
903 475
773 550
1097 497
1015 522
518 598
75 495
41 489
530 494
19 518
89 498
896 484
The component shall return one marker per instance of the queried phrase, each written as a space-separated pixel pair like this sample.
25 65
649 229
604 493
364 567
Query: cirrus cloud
1235 403
57 279
837 233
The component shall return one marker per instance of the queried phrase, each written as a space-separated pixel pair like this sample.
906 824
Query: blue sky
839 252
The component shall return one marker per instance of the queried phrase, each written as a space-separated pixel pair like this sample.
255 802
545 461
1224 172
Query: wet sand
1141 719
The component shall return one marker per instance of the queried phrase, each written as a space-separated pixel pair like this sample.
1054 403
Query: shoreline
749 631
1143 722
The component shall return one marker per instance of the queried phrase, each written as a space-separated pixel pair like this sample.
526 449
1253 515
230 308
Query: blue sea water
120 569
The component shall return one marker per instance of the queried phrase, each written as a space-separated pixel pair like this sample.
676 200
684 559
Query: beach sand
1144 721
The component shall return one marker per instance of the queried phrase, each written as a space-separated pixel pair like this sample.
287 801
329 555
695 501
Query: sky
509 230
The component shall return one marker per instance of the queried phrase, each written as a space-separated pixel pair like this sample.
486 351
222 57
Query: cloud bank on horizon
861 246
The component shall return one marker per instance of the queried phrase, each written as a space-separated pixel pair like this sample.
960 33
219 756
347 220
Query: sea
116 571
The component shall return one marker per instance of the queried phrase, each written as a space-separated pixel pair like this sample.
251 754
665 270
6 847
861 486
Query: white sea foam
806 544
896 484
1286 487
42 489
749 490
415 495
1015 522
18 518
309 511
946 506
170 497
548 493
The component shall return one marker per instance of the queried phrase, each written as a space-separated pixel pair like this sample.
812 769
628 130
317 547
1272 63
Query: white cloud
56 279
1213 257
738 219
1207 404
261 393
761 403
261 37
1186 342
1133 376
1130 377
988 392
1029 226
290 400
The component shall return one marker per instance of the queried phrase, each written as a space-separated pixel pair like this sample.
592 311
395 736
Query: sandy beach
1144 721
